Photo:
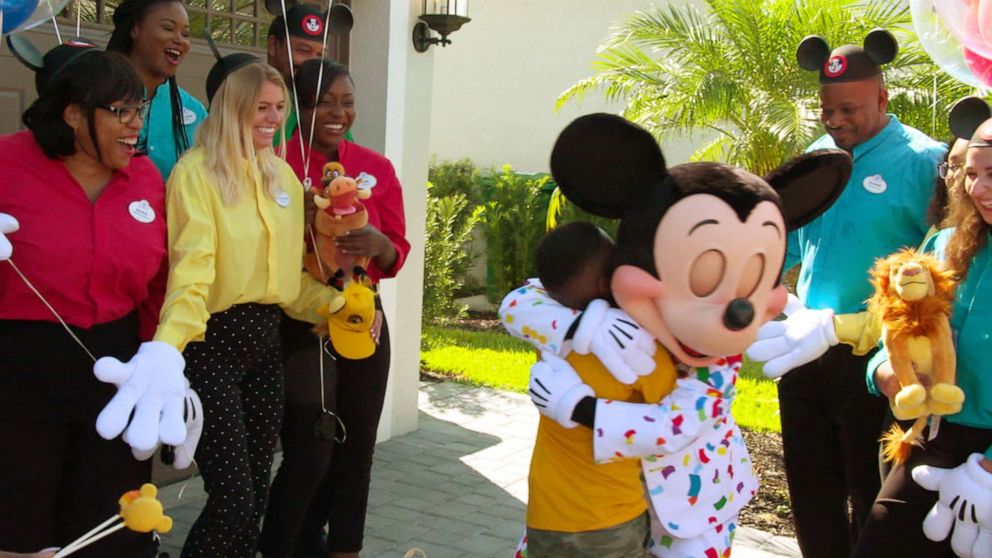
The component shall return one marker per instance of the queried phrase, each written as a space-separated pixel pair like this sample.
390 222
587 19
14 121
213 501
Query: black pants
58 477
830 431
894 527
305 455
237 372
338 498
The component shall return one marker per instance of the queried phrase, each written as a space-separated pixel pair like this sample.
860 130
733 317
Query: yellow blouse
221 255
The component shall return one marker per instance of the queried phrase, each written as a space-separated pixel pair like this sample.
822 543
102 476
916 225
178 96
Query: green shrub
514 220
449 230
459 176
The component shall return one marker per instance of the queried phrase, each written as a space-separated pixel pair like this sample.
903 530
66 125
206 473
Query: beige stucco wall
495 87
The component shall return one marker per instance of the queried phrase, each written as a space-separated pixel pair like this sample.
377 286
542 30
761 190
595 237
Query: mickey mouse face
699 249
717 278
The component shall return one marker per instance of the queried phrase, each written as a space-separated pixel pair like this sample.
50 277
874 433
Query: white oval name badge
874 184
142 211
189 116
282 198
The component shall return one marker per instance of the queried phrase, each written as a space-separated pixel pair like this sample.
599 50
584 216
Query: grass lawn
497 360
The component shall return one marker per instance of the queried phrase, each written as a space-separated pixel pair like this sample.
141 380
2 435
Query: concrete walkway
455 488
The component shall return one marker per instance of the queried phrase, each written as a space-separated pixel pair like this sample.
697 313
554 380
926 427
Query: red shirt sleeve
386 214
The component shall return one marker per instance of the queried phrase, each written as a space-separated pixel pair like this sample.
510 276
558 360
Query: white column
393 86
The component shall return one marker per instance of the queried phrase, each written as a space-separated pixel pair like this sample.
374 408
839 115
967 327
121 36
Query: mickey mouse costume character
830 424
699 251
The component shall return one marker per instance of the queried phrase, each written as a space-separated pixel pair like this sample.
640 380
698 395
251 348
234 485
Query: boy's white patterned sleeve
531 314
635 430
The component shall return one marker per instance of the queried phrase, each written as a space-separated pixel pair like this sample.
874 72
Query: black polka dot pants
237 371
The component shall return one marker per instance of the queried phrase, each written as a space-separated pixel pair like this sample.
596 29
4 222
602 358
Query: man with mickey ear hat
304 24
831 424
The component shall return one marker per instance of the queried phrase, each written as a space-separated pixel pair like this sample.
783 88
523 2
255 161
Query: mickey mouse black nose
739 314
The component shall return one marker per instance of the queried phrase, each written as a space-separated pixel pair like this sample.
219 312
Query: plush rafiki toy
350 315
141 511
340 201
912 301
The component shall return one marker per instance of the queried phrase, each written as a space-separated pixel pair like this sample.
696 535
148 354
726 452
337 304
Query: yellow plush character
142 512
912 301
349 320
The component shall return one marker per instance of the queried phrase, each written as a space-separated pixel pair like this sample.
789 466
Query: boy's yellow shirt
568 491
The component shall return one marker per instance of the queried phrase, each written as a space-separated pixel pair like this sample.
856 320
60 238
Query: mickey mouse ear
342 19
274 7
966 115
809 184
601 162
812 52
25 52
881 46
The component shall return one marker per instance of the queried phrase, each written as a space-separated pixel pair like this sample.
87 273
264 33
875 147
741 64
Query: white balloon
937 40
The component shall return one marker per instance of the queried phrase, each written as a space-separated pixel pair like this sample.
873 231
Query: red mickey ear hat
847 62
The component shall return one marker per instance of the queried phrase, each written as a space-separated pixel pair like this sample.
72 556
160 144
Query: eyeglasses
944 169
127 113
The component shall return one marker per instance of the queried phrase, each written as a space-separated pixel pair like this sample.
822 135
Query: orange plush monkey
912 300
341 211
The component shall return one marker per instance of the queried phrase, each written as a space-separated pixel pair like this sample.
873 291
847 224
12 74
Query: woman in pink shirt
334 476
92 239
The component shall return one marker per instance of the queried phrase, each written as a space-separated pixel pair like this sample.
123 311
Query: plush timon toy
912 300
340 202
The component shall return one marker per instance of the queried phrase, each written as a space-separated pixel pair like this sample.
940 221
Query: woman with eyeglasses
949 185
83 219
155 36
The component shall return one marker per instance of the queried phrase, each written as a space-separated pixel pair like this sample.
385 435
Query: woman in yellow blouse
235 216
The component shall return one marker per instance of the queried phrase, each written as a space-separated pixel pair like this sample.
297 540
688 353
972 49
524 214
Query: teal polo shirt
881 209
156 134
971 322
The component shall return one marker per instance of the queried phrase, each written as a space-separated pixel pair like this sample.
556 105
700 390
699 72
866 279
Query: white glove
7 225
803 336
152 385
183 455
965 503
556 389
622 346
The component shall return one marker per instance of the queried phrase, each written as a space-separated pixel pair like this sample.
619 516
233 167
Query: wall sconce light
444 17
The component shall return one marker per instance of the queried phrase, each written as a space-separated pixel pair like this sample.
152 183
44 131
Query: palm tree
731 72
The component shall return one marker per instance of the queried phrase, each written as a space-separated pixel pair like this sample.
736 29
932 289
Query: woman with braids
947 482
154 35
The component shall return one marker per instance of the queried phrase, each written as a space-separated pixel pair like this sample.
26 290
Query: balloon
43 11
939 43
15 12
970 21
980 66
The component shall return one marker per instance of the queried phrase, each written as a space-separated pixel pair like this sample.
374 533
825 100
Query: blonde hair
226 134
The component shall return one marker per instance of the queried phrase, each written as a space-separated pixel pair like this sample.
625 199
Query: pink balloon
980 66
970 21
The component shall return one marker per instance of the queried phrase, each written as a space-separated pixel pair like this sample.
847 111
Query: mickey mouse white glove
183 453
965 504
152 385
622 346
556 389
802 337
7 225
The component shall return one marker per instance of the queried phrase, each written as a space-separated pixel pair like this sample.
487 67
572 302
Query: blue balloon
15 12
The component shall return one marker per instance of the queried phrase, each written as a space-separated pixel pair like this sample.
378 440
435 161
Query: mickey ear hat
847 62
47 66
971 119
307 20
224 66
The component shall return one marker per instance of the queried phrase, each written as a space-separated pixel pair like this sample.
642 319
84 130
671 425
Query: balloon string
292 76
79 9
49 306
51 10
320 77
